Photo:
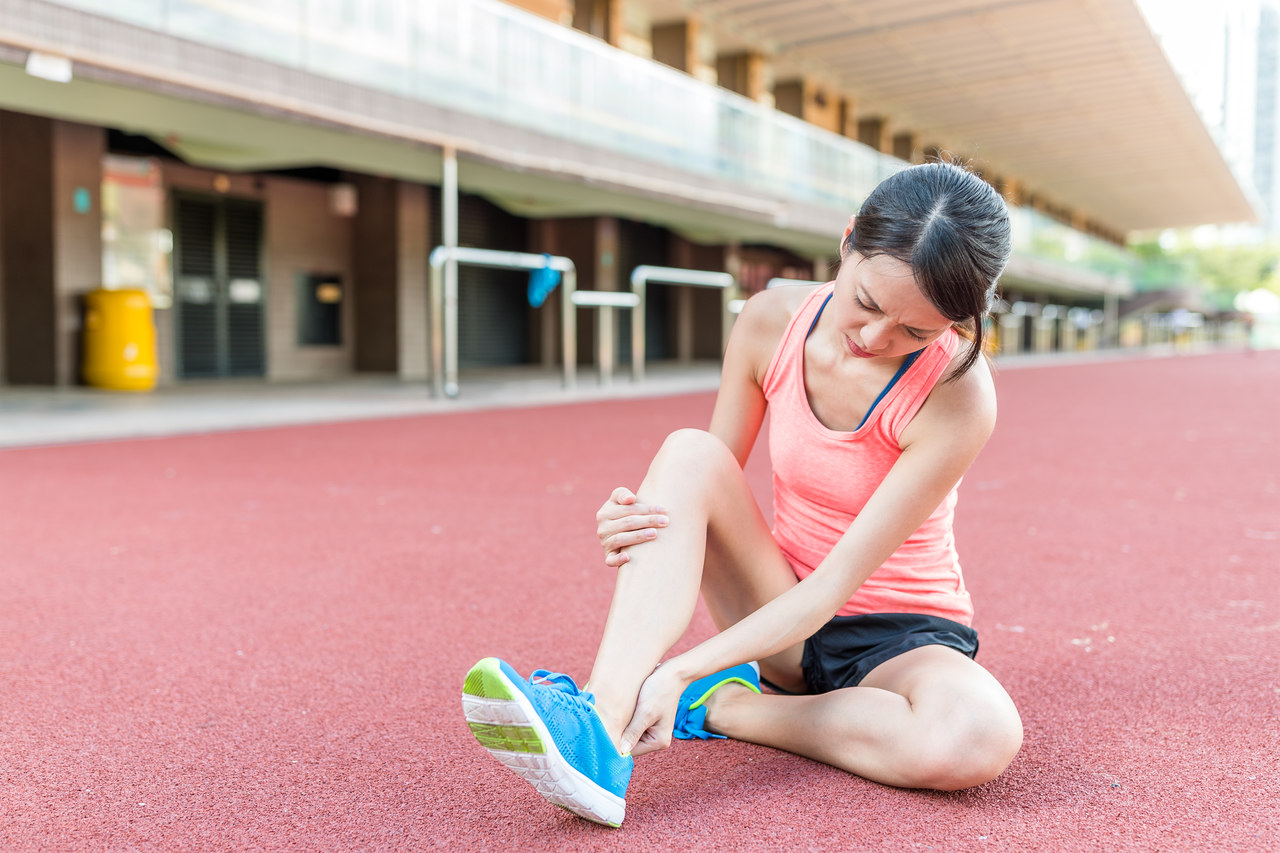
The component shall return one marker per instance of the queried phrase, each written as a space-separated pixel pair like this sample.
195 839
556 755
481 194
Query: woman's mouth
857 350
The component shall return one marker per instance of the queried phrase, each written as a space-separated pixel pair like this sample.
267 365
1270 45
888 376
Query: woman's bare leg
711 510
930 718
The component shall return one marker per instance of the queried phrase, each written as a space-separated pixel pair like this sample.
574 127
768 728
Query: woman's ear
848 232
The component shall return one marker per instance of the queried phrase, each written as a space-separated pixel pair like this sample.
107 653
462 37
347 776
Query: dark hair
952 228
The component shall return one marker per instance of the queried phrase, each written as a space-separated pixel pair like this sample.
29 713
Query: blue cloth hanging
542 281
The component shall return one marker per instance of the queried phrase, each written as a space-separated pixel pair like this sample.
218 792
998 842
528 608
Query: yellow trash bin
119 340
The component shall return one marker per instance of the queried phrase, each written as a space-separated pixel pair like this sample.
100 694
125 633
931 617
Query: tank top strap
917 383
794 336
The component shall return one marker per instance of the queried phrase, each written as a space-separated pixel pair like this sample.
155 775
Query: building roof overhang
1075 99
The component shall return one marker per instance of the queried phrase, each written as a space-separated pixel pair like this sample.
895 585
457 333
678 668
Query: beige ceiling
1074 98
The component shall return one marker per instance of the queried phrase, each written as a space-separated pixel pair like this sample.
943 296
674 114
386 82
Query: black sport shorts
846 649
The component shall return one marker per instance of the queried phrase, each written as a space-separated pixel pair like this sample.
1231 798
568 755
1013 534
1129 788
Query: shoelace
560 682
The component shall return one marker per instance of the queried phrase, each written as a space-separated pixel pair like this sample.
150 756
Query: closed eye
911 333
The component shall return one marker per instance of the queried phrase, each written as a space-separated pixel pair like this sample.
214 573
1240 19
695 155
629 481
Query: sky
1181 26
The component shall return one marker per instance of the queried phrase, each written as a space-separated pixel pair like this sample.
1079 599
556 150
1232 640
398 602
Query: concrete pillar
50 242
849 117
607 278
699 325
1045 328
592 243
544 234
788 97
1068 334
807 99
906 146
1110 320
413 246
560 11
600 18
1009 331
682 254
27 249
733 266
676 44
874 131
743 73
684 323
391 243
77 182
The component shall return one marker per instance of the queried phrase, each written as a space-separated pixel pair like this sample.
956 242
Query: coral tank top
822 478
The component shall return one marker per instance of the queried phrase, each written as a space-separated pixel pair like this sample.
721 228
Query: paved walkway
50 416
36 416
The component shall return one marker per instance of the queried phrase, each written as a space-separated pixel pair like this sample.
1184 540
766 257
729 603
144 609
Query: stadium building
279 176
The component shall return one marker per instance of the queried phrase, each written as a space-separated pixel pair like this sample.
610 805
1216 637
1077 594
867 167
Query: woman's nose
875 335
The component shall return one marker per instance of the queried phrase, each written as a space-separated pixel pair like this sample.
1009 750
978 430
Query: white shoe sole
505 723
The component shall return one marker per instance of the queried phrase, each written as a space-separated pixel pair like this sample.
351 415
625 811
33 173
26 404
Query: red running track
256 640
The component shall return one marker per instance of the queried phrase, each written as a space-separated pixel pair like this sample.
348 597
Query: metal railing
606 301
443 291
640 278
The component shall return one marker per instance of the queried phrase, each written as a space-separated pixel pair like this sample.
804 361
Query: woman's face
881 312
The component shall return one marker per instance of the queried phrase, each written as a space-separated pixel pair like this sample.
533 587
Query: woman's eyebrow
871 303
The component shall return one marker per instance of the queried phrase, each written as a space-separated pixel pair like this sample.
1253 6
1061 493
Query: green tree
1221 270
1233 269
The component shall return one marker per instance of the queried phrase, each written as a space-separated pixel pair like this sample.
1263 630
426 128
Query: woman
853 604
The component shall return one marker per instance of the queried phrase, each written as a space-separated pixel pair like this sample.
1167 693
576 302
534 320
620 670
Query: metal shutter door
243 230
196 224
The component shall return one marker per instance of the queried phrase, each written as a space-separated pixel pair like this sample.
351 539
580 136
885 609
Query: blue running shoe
548 732
691 711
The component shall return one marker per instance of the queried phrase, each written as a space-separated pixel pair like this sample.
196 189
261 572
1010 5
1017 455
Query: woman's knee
694 451
963 753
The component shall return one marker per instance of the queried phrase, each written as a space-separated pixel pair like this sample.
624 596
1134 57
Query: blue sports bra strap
819 314
906 364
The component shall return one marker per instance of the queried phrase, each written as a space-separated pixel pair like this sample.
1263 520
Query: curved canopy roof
1073 98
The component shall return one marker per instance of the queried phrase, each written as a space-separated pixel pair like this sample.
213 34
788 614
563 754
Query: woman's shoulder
772 310
764 320
963 404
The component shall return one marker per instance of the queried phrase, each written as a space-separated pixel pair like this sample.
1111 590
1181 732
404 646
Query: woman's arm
739 411
938 447
740 403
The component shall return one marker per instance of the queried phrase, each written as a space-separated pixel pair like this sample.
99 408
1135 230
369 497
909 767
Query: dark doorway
218 288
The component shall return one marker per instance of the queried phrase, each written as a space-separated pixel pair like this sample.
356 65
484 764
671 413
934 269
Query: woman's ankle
610 712
720 707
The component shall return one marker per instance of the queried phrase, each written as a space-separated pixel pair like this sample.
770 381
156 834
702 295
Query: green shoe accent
485 680
510 738
705 696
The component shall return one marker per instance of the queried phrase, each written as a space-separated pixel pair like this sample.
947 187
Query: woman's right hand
622 522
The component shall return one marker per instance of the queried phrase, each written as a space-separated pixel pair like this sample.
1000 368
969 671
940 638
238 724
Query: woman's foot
548 732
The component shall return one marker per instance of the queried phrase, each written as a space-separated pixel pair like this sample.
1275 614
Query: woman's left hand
655 715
